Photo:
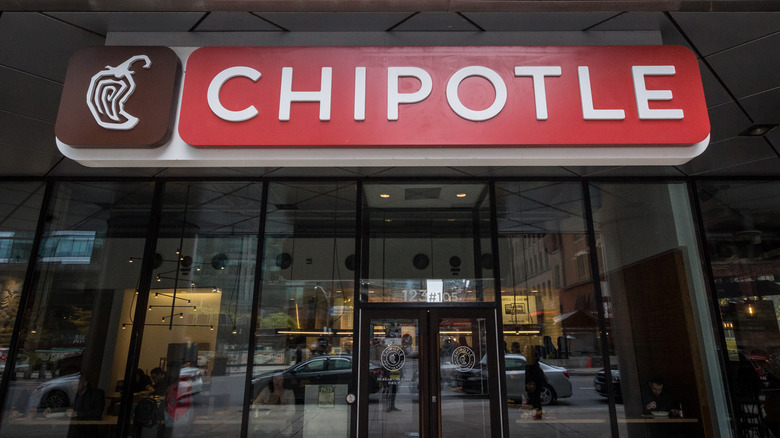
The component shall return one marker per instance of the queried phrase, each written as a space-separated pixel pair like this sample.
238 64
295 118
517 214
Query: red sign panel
506 97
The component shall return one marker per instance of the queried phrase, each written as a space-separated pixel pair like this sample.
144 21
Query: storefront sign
325 106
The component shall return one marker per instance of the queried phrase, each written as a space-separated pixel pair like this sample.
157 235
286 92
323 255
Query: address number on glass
424 296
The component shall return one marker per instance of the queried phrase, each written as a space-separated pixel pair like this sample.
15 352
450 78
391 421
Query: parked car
318 370
558 383
600 383
55 393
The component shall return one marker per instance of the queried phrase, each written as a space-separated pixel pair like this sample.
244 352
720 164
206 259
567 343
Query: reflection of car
56 393
558 383
600 383
22 365
190 381
318 370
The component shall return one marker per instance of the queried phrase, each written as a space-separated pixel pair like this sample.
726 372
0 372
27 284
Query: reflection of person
535 380
390 391
278 402
276 393
89 402
655 398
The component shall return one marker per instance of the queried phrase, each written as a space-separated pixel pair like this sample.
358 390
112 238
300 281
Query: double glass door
429 373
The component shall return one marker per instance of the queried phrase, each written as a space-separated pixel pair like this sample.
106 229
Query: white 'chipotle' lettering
395 97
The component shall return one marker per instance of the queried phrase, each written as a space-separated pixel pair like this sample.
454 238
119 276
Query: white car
558 383
56 393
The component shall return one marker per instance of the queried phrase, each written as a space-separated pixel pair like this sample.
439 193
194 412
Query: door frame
429 381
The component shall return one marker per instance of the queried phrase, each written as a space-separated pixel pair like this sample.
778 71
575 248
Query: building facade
288 298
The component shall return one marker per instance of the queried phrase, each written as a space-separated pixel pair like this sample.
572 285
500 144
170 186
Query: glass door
427 373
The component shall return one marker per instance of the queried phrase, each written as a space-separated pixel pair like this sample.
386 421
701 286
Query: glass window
658 311
427 243
73 354
19 209
560 325
306 312
741 222
193 360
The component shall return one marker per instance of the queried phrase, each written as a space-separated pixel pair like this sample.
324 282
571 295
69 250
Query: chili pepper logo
108 91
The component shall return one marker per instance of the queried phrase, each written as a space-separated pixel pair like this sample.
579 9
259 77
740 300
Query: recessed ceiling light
758 129
384 195
461 195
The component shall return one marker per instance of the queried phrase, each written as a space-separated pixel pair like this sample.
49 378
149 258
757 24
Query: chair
750 418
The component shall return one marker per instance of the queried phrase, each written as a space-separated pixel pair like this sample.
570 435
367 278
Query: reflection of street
585 414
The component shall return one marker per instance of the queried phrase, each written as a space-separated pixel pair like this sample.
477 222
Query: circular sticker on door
463 358
393 358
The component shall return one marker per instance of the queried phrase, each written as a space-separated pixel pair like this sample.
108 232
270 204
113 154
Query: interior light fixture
758 129
212 327
384 195
461 195
235 330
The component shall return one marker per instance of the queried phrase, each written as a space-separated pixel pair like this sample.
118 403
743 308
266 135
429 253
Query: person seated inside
655 399
159 384
142 383
88 403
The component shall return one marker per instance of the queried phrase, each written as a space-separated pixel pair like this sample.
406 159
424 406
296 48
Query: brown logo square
119 97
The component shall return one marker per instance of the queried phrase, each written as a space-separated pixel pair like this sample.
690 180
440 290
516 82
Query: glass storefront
741 223
193 359
19 210
303 363
656 310
550 310
348 308
69 344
